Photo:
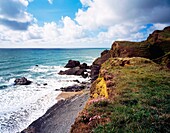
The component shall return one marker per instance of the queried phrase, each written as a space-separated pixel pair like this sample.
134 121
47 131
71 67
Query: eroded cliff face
156 47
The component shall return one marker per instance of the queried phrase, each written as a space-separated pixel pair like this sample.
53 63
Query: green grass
166 34
142 103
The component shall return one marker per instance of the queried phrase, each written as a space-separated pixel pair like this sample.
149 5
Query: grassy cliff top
137 98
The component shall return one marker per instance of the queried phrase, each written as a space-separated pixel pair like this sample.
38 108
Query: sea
20 105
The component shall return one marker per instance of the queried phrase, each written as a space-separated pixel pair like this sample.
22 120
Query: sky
79 23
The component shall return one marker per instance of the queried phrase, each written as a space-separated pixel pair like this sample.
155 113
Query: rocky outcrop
73 88
72 63
75 71
94 72
75 68
84 66
105 55
22 81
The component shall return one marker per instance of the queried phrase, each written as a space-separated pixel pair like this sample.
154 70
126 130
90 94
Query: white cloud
50 1
110 12
86 2
97 24
71 30
14 15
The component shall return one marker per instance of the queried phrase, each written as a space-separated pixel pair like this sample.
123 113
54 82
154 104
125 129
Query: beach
60 117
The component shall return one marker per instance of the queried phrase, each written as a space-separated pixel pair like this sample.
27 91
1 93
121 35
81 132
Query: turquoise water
20 105
15 62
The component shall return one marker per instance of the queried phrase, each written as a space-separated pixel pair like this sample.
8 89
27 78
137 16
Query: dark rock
22 81
99 61
84 82
72 63
76 81
74 71
45 84
81 72
90 67
104 52
84 66
85 75
73 88
61 72
94 72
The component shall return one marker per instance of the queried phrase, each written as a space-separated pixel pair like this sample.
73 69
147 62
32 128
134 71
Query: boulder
72 63
81 72
84 66
45 84
22 81
71 71
74 71
85 75
76 81
73 88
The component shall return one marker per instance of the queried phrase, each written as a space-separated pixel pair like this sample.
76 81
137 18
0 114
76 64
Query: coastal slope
131 88
129 98
60 117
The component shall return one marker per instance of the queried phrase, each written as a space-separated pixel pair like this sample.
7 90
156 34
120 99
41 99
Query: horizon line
58 48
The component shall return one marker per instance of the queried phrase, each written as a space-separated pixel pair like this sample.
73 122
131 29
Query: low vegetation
138 99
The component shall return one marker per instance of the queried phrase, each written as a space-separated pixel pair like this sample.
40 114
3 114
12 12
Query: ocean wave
42 68
6 83
17 120
21 105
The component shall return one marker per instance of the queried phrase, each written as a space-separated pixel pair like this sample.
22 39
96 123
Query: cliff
156 46
132 89
133 97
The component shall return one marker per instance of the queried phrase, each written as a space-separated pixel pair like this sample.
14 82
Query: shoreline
62 115
70 102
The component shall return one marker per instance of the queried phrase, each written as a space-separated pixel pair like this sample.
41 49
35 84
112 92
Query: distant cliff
156 47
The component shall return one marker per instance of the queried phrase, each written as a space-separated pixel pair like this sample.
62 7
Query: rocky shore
60 117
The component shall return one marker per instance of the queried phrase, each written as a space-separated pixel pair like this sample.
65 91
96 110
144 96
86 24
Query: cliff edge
131 91
156 47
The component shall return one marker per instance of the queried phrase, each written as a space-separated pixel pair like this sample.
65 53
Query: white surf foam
21 105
